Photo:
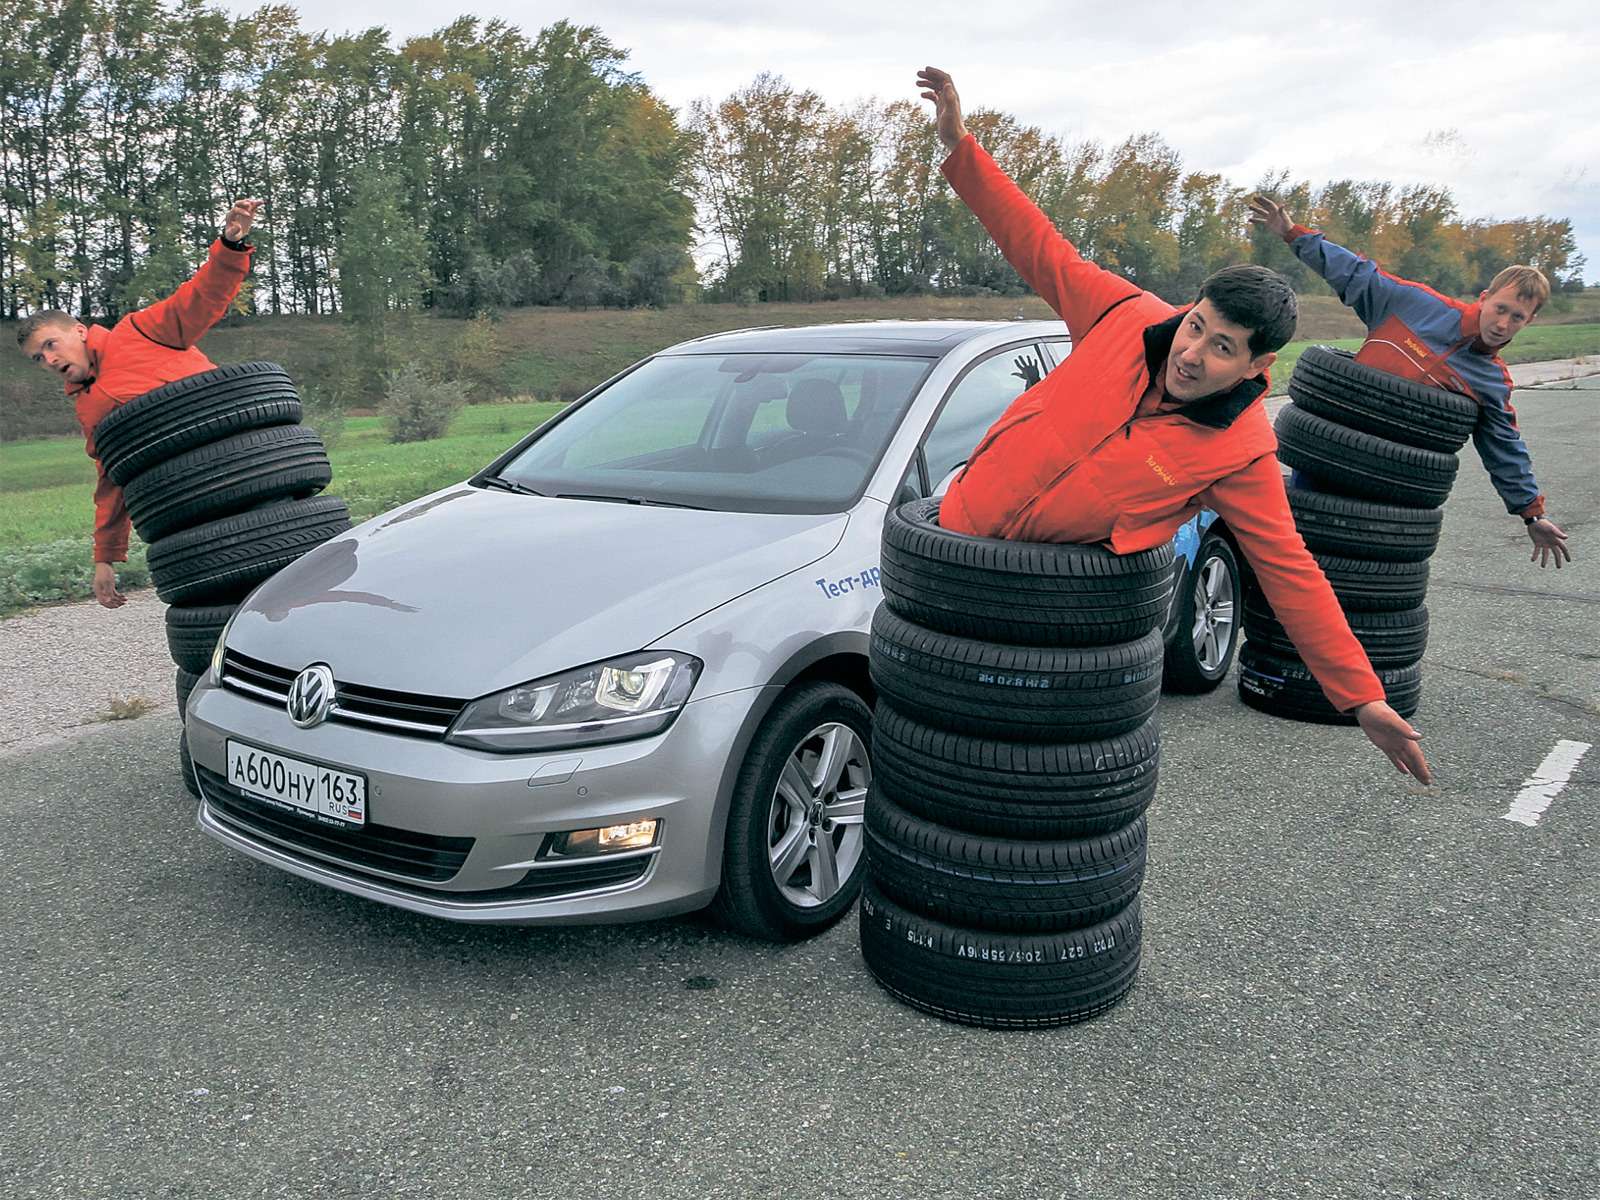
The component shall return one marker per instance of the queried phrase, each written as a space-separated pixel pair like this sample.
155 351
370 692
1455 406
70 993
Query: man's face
1209 354
1503 315
62 350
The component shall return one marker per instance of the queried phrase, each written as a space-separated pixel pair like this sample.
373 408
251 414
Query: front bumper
458 833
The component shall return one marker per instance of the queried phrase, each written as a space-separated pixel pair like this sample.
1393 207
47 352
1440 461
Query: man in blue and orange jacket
1156 413
102 368
1415 333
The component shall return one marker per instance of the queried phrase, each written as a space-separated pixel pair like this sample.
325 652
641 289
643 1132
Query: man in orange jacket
1155 413
102 368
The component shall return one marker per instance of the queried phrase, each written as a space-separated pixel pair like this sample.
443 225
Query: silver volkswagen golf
622 671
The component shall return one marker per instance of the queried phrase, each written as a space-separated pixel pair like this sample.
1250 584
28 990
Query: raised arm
183 318
1080 292
1358 280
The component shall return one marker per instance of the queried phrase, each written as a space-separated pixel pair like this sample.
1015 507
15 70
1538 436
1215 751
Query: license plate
311 788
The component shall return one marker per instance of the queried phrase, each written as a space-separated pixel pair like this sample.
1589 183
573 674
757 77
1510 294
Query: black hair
1258 298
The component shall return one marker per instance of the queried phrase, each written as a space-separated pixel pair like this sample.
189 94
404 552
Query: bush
60 570
416 408
322 408
475 360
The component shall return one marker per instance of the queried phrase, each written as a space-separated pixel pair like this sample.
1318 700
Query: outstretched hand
1271 215
1392 733
937 86
1548 542
239 219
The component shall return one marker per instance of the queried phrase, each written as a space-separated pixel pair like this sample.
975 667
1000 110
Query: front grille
420 856
404 713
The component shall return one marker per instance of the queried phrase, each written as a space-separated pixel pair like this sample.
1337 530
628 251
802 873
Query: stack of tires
220 480
1015 750
1375 458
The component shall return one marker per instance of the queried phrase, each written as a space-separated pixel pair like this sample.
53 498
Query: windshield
789 433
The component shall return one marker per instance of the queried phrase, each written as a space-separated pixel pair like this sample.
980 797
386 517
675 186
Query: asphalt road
1352 986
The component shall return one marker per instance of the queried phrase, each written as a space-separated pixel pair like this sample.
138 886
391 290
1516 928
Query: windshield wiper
501 484
629 500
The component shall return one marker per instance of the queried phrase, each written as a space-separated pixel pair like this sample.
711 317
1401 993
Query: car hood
468 591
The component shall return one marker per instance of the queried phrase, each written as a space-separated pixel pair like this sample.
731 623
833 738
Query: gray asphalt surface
1352 986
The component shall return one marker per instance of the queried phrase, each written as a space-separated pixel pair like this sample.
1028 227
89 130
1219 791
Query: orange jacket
1071 461
143 351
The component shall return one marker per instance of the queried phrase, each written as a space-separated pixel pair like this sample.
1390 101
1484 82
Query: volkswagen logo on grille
310 696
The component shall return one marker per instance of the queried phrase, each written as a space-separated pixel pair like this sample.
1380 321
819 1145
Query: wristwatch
1532 520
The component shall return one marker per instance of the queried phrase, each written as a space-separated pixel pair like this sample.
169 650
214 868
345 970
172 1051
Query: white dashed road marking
1545 784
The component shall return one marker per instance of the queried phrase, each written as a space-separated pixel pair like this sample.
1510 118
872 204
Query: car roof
920 339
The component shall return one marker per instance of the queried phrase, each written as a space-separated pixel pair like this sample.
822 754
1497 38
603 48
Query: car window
739 432
976 403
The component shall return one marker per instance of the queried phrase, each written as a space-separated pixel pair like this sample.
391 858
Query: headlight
613 701
215 674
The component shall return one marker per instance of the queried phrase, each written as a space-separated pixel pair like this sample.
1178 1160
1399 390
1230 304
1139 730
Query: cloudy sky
1500 102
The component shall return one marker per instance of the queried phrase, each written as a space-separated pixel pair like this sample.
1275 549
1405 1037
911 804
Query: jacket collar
1218 410
96 342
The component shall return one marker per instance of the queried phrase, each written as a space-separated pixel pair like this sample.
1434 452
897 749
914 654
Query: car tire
183 684
193 411
1359 464
1329 383
1207 638
1019 593
1285 687
192 633
186 766
999 980
220 561
983 882
793 858
1014 789
1391 639
1363 585
226 477
1048 694
1363 528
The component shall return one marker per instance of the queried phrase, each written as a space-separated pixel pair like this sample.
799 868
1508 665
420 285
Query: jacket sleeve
1256 507
110 520
1358 280
1505 455
1080 292
183 318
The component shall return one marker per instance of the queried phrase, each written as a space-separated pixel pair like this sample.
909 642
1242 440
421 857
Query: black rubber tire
1013 789
186 766
1391 639
1364 529
1026 694
1329 383
749 899
192 633
226 477
183 683
983 882
999 980
1182 670
1363 585
1353 463
1284 687
186 413
1020 593
222 560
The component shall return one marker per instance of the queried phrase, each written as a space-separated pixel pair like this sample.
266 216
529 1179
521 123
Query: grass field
46 483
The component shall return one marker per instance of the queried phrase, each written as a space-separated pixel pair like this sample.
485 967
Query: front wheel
1202 650
793 860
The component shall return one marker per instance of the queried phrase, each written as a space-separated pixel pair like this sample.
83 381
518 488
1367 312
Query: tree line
481 167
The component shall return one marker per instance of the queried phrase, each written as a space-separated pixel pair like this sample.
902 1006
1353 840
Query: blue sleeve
1506 457
1357 280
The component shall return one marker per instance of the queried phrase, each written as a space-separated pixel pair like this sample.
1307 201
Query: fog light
635 835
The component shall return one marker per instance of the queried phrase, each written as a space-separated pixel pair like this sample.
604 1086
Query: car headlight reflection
614 701
215 673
